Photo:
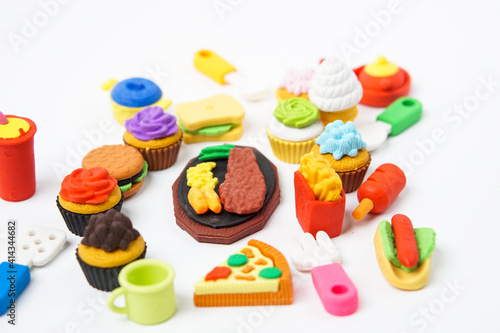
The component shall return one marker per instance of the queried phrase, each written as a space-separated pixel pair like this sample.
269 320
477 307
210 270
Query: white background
52 74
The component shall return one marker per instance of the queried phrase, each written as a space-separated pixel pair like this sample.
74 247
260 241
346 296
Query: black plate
224 219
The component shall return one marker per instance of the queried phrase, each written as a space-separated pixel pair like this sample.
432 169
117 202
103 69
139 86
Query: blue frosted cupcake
341 145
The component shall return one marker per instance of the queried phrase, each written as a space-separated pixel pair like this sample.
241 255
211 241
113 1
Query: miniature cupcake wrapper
289 152
161 158
77 223
105 279
352 180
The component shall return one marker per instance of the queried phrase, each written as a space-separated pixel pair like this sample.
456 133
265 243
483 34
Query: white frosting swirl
334 86
293 134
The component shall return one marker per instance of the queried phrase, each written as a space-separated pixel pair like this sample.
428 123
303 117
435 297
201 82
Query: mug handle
111 300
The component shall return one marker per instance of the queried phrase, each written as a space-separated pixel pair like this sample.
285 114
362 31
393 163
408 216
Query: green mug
148 287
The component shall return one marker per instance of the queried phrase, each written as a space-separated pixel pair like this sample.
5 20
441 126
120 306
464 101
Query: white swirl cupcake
336 91
293 128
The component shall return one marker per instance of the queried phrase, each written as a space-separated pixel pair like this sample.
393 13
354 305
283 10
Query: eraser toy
148 288
404 253
336 291
217 118
308 252
336 91
109 243
248 187
85 193
319 196
396 118
383 82
379 190
294 126
258 274
222 72
155 134
132 95
295 84
124 163
37 246
17 158
342 145
315 215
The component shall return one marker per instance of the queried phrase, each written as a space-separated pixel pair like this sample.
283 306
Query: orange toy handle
364 207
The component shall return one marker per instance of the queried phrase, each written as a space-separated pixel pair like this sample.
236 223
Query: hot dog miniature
404 253
379 190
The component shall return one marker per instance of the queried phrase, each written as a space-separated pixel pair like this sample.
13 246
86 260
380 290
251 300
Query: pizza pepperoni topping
248 252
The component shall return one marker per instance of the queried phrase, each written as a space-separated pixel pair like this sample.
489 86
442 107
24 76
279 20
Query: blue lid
136 92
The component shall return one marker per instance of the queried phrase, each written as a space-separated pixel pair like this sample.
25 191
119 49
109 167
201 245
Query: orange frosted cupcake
85 193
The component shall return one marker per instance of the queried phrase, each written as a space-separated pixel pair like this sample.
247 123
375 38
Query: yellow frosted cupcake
293 128
109 243
341 145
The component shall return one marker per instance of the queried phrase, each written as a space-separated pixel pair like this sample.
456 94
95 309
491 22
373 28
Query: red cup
17 164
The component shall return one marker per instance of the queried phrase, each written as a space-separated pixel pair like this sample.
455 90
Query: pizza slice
256 275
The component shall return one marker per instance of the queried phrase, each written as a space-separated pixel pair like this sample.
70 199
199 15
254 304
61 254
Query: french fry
197 200
213 200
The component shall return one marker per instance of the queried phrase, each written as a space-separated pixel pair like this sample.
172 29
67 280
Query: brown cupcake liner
352 180
76 222
105 279
160 158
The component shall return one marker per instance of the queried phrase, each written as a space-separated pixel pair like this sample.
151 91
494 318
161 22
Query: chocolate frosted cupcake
110 242
344 149
156 135
85 193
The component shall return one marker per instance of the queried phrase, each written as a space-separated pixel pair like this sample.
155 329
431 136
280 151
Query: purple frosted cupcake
155 134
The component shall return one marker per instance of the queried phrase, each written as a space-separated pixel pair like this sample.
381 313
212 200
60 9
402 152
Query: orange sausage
406 243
